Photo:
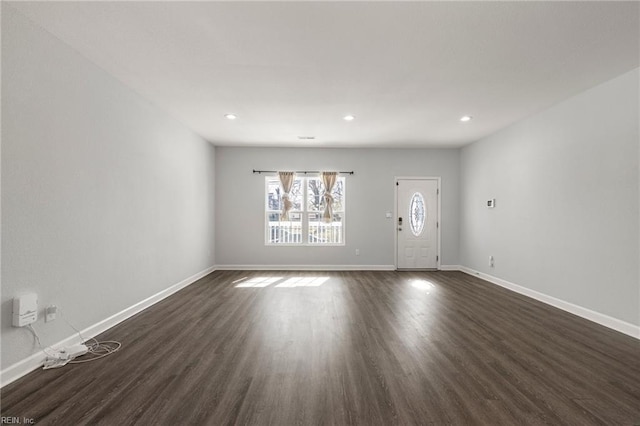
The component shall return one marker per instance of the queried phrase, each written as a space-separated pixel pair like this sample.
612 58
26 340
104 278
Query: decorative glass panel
417 214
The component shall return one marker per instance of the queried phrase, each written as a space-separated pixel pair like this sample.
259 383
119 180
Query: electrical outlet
491 262
50 313
357 252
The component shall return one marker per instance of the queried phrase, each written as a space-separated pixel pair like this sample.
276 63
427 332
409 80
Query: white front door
417 223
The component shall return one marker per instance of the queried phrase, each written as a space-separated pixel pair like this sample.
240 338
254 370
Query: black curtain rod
298 172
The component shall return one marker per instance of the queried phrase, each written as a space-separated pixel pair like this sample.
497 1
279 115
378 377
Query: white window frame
304 213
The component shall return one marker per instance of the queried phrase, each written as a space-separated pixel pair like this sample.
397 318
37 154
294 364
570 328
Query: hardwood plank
362 348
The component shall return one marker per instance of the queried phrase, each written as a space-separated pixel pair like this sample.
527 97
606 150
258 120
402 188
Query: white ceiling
407 70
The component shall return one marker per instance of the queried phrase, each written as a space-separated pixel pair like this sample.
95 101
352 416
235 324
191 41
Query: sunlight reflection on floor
424 285
290 282
258 282
304 282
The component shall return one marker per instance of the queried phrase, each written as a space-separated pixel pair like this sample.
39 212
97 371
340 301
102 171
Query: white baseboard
321 268
27 365
450 268
305 267
602 319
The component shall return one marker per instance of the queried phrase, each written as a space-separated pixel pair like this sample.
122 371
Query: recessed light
466 118
230 116
349 117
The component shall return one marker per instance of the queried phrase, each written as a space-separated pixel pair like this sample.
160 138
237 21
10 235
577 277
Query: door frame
438 180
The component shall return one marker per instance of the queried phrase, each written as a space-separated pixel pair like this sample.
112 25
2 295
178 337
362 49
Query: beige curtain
286 182
329 180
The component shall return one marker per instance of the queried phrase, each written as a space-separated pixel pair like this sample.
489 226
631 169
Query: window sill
304 245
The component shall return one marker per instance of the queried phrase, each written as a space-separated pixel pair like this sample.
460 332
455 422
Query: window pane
296 194
315 190
321 232
284 232
338 195
274 194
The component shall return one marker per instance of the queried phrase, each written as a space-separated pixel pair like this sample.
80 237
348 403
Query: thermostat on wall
25 309
491 203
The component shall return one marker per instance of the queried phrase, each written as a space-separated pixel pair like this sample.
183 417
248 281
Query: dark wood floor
366 348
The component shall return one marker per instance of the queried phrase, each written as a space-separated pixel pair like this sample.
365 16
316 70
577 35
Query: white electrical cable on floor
35 334
97 349
53 360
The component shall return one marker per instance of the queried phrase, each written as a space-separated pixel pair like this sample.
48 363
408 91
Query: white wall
240 235
105 199
566 185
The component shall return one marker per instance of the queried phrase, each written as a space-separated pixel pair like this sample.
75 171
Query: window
417 211
306 224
